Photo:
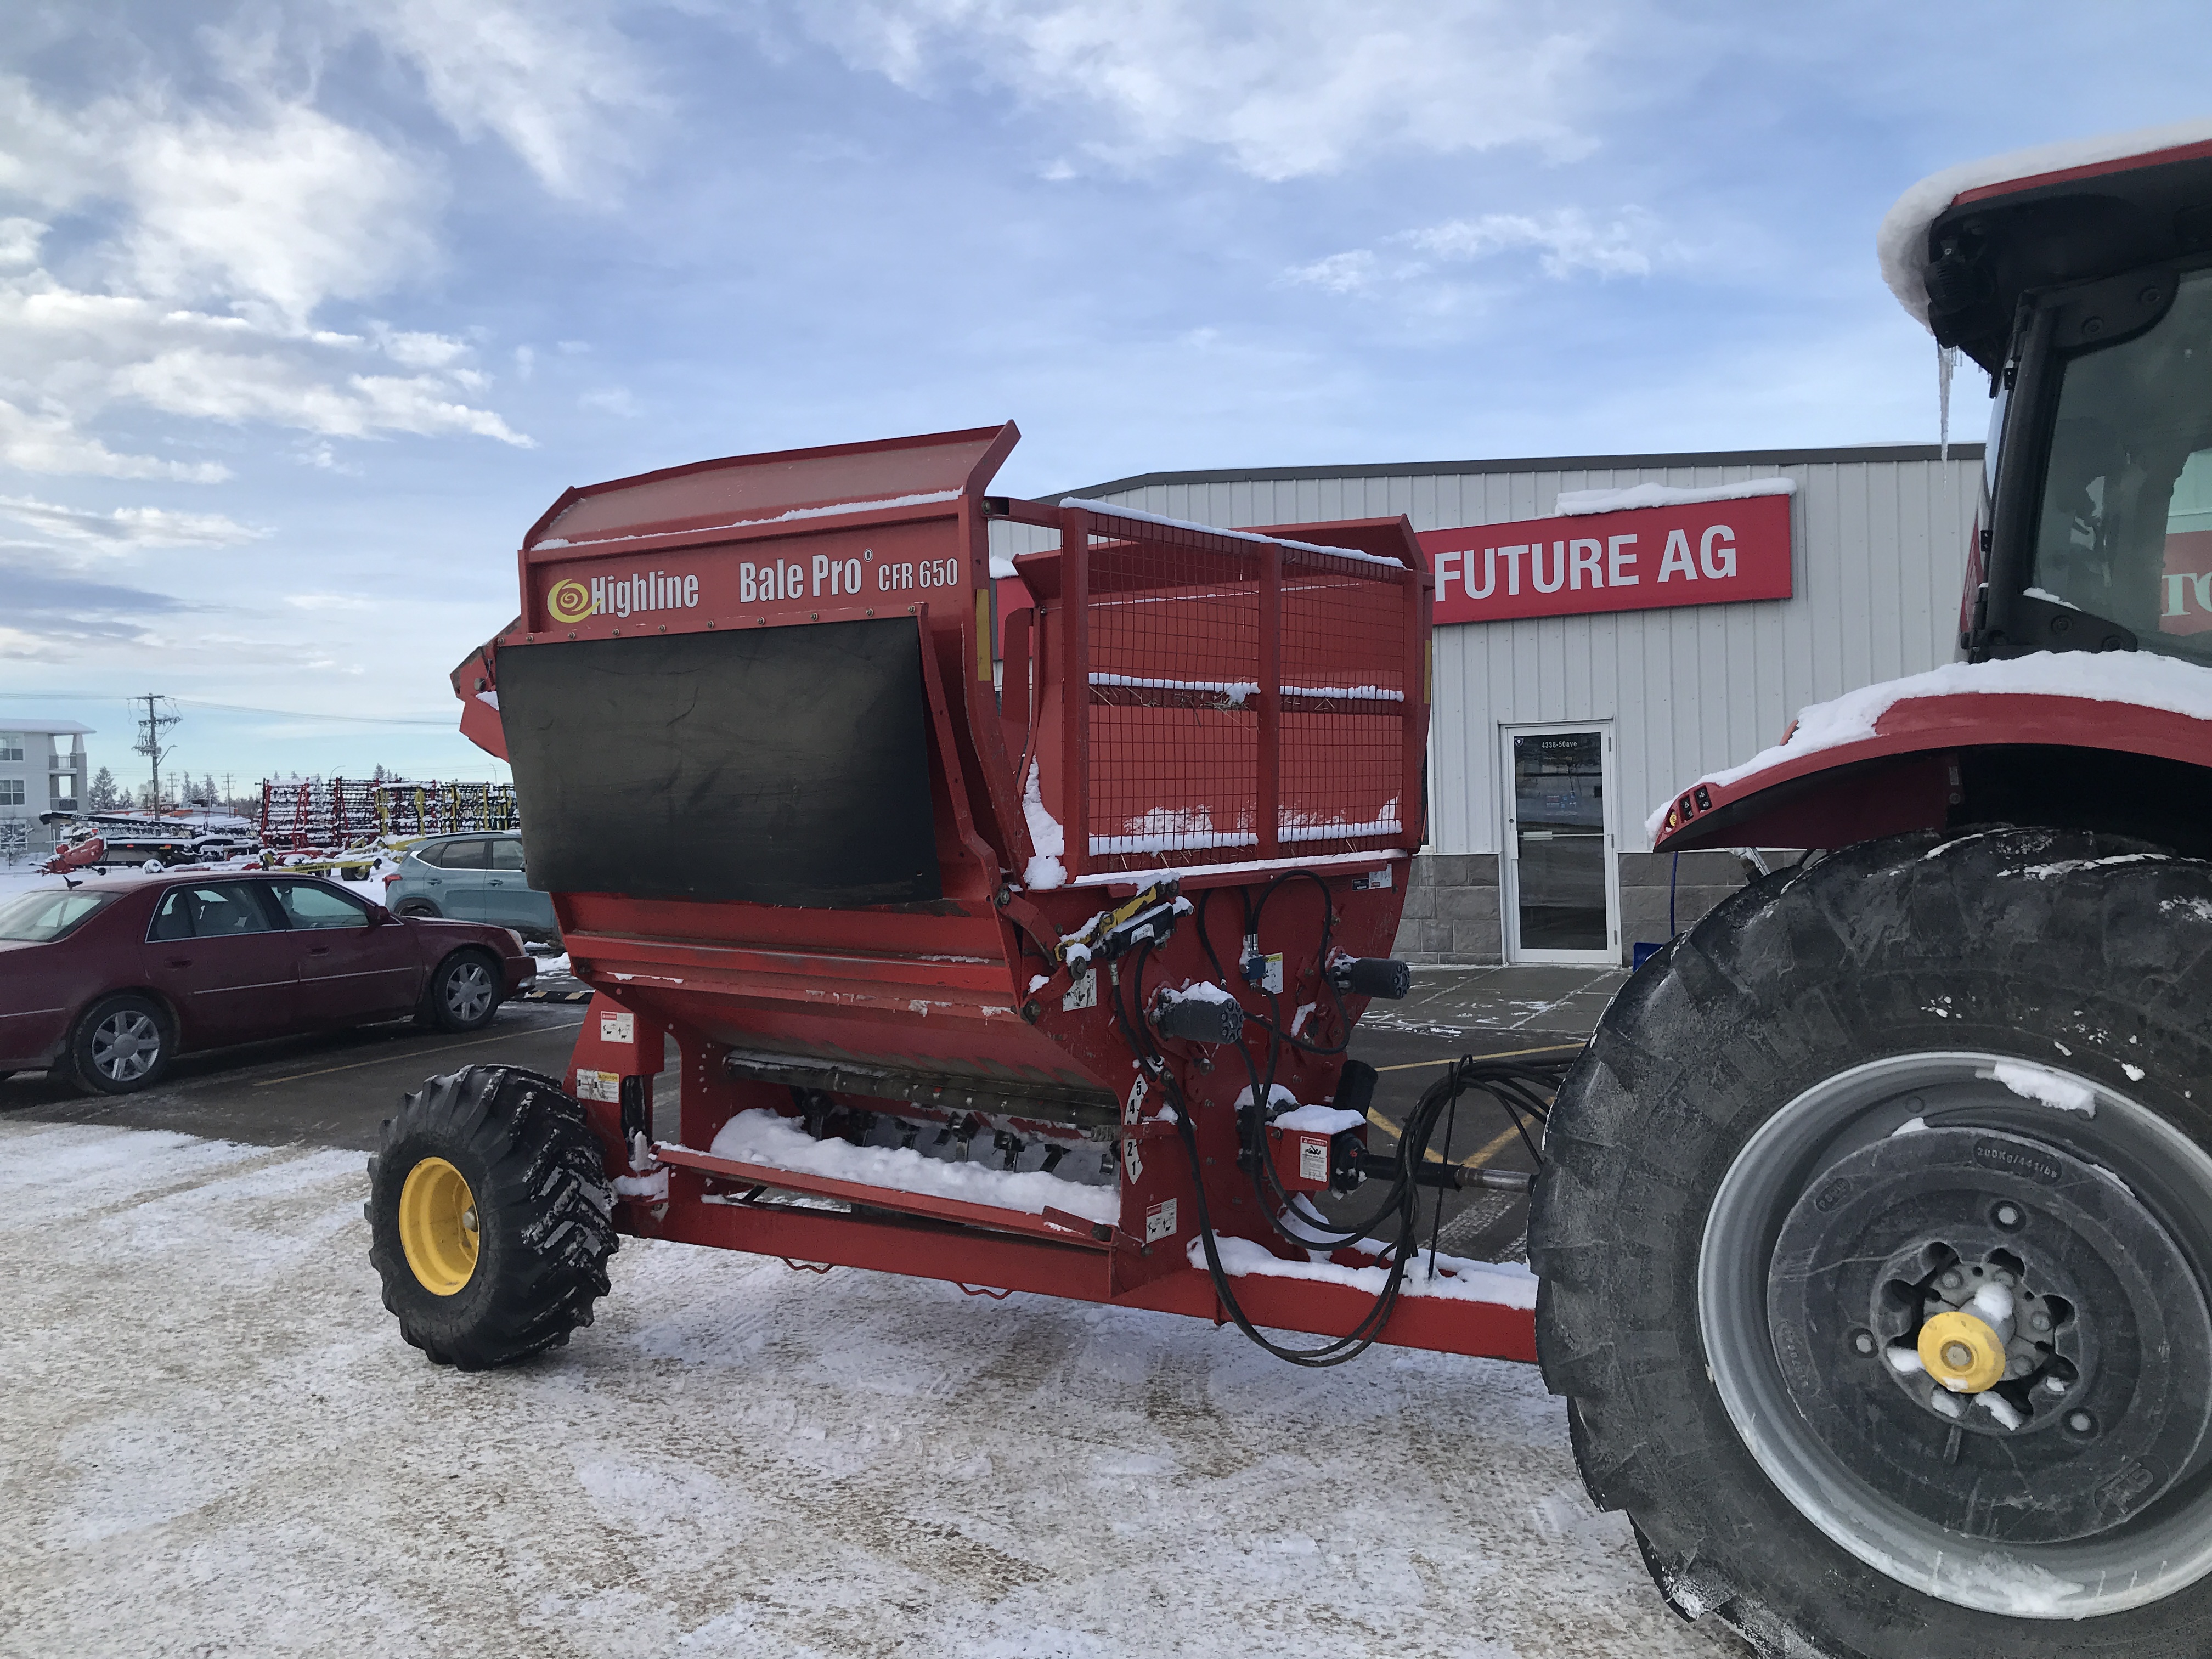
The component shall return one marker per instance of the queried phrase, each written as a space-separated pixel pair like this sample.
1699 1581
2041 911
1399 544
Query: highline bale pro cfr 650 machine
1028 968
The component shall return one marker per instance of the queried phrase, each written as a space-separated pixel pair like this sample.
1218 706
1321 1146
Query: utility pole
151 725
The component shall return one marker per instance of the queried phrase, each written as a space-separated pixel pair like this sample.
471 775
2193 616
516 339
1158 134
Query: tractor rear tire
489 1215
1743 1157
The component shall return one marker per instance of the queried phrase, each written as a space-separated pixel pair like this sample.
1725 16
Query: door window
1560 889
2125 531
460 856
311 904
507 856
218 910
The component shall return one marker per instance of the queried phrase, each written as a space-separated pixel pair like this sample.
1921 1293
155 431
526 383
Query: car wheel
463 993
121 1045
419 908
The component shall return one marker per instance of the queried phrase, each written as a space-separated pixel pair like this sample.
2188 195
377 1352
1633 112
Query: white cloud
19 241
329 602
224 238
1284 89
1352 272
554 80
126 528
206 238
610 400
1566 242
52 443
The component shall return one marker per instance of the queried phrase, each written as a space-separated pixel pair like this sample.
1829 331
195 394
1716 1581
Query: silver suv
475 876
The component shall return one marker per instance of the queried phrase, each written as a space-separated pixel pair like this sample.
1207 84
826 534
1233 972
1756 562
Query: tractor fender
1934 762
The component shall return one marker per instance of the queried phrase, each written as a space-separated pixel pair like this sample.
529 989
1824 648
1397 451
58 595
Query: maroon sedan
110 978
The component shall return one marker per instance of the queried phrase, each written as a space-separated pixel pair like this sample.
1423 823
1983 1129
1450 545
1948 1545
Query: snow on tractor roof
1901 243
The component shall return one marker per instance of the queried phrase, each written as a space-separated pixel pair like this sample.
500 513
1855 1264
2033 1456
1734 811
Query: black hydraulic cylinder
1197 1019
1453 1177
1373 977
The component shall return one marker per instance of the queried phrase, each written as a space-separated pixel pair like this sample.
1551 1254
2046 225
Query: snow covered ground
213 1441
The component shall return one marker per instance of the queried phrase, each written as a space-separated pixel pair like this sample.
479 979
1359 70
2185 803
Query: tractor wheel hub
1937 1292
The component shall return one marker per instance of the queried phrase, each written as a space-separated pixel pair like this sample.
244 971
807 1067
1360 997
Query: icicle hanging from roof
1946 364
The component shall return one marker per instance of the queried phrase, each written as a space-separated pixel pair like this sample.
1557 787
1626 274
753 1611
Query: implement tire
1783 1171
488 1211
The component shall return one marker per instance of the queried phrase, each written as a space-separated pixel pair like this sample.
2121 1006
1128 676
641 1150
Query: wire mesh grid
1345 704
1177 665
1174 669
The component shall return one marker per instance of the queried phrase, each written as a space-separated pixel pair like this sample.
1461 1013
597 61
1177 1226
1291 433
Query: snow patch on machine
1455 1278
2134 678
1045 870
2045 1087
775 1142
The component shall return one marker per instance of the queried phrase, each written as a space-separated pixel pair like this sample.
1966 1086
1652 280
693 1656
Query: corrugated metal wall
1879 547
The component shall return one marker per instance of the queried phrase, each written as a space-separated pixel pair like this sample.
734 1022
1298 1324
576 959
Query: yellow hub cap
438 1226
1962 1353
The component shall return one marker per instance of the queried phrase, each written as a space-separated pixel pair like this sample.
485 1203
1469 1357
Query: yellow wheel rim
438 1226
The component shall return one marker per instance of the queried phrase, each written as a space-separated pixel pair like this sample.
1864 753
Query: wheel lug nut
2002 1277
2081 1422
1953 1280
1862 1342
2008 1216
2039 1321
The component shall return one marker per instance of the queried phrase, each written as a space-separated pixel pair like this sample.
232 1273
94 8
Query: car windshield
2126 526
42 917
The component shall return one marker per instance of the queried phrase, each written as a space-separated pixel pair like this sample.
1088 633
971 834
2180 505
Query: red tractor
1876 1231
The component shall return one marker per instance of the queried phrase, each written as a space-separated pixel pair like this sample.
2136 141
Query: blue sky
307 310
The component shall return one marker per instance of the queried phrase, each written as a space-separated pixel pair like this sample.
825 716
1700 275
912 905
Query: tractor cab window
2126 526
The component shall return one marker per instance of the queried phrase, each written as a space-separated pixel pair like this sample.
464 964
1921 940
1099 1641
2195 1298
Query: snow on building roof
31 724
1572 502
1901 243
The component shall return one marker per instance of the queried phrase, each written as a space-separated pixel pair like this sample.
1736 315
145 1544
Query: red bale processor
1032 975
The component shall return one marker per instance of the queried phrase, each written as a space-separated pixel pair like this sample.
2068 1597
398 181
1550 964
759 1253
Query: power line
451 724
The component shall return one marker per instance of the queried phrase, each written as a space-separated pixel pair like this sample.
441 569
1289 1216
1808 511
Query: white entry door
1560 888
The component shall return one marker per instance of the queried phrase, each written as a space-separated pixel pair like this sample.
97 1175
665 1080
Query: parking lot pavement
214 1442
335 1088
330 1090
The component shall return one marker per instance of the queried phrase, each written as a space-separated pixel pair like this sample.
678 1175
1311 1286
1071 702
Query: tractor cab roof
1962 245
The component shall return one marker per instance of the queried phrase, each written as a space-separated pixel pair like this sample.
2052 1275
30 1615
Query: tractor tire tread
1843 954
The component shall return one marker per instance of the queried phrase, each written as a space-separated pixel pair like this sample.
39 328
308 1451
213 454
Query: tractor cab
2086 292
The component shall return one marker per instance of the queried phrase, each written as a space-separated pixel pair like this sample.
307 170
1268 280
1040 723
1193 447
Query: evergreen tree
99 795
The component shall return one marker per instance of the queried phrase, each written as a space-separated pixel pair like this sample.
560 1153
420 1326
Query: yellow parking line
270 1082
1502 1054
1475 1160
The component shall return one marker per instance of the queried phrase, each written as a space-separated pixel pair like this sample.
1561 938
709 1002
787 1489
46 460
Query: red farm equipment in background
1043 985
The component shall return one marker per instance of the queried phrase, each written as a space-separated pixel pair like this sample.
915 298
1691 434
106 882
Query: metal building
1555 735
